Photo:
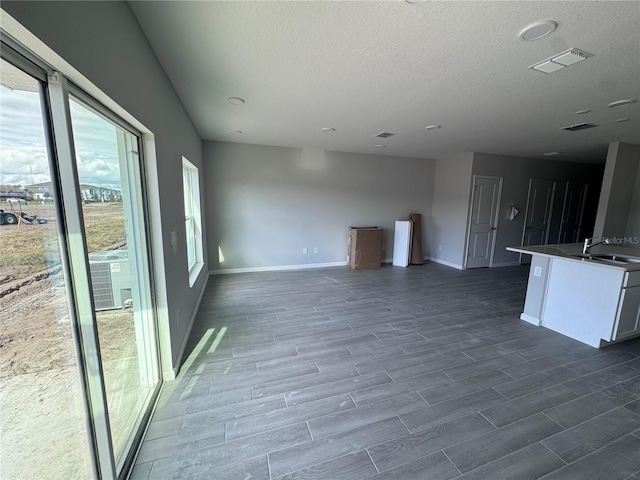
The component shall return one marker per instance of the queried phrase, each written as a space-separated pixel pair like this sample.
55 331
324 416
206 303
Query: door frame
469 218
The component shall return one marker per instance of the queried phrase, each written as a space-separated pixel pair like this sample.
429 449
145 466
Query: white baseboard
303 266
506 264
172 374
277 268
448 264
530 319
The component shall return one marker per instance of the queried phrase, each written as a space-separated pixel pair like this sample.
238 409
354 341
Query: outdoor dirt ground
38 370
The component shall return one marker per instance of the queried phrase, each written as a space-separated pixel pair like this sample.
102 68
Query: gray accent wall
266 204
516 173
618 199
633 221
103 42
447 230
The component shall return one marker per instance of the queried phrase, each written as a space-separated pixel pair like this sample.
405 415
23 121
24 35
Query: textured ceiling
363 67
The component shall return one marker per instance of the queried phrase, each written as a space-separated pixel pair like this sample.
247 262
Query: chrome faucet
587 245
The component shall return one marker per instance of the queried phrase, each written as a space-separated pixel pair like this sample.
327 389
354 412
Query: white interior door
483 221
572 212
539 208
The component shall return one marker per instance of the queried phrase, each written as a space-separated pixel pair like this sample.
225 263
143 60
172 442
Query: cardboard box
364 248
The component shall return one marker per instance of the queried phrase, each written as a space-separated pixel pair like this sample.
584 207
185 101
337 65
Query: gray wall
516 173
265 204
103 41
617 199
633 220
447 230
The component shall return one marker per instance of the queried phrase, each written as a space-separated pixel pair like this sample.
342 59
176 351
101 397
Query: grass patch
33 248
103 236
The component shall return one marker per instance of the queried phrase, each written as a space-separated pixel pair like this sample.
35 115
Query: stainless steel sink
611 258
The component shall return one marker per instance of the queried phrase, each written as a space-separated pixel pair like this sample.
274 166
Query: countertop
566 250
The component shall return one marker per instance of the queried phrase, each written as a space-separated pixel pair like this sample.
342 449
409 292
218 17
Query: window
193 225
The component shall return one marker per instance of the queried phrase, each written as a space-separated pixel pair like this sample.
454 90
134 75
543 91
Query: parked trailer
16 195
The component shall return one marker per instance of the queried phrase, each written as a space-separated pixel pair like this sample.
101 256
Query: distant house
89 193
38 190
100 194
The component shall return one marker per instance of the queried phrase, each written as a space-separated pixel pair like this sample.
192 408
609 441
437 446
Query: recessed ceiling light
432 127
235 132
236 100
620 120
414 2
621 103
582 112
537 30
380 146
328 130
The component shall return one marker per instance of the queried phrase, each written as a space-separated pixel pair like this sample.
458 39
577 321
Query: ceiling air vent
578 126
561 60
385 135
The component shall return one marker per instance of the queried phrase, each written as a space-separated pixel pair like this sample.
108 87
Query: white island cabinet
628 316
594 299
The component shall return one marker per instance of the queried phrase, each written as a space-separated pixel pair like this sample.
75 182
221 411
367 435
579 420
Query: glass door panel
43 422
108 168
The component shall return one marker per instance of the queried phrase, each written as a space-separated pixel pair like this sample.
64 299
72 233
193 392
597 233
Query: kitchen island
593 298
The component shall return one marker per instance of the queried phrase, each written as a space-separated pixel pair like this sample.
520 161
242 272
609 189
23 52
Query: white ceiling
363 67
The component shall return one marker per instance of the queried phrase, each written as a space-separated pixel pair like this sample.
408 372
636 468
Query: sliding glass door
108 170
78 345
43 421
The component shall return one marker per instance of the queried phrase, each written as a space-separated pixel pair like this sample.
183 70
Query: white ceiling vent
569 58
578 126
561 60
385 135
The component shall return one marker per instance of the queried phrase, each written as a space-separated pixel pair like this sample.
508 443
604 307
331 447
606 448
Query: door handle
493 228
528 228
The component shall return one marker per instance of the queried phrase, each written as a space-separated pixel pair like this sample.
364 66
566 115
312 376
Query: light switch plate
537 272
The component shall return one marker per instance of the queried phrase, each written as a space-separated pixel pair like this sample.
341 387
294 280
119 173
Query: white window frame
192 219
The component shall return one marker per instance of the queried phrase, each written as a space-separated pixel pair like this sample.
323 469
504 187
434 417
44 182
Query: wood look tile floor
417 373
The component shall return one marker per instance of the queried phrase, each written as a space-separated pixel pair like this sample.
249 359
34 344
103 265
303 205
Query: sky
23 156
23 153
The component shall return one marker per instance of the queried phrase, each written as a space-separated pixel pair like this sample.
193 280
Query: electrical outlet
440 248
304 251
315 250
